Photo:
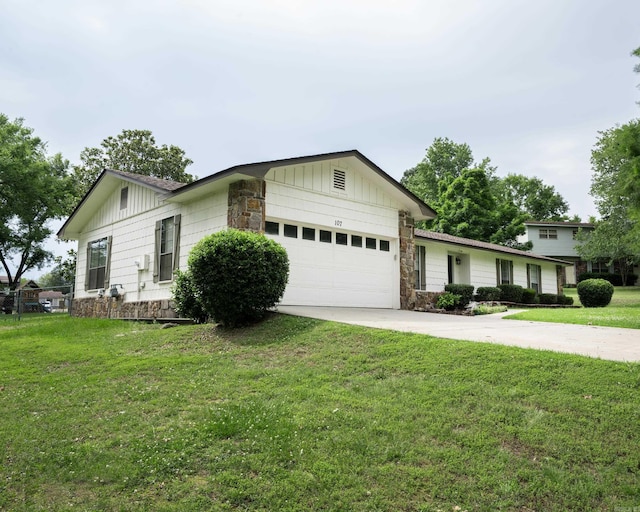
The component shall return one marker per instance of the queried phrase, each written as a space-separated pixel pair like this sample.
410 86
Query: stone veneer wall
108 307
246 209
407 261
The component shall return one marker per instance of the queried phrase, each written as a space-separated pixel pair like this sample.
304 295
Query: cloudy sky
527 83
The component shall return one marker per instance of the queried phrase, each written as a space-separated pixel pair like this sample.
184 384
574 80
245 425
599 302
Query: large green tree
473 202
532 196
133 151
34 189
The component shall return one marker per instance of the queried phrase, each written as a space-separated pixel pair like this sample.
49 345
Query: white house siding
563 246
482 267
332 274
133 238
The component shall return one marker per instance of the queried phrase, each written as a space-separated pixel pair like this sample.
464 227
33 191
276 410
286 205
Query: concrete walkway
611 343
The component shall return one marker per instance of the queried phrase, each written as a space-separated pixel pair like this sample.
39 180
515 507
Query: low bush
529 296
448 301
511 292
238 275
595 293
548 298
565 300
185 297
465 291
488 293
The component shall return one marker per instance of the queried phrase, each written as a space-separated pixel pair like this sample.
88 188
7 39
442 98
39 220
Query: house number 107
338 223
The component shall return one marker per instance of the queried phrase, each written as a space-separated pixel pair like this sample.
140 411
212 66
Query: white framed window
599 266
98 262
548 234
504 271
534 277
420 268
167 248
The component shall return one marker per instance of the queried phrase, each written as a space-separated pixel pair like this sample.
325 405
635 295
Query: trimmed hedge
511 292
529 296
488 293
565 300
614 279
465 291
548 298
185 296
595 293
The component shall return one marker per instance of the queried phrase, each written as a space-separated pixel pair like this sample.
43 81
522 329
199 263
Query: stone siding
246 209
108 307
407 261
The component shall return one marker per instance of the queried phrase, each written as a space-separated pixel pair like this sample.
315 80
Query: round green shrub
488 293
565 300
464 290
511 292
448 301
185 297
528 296
238 275
595 293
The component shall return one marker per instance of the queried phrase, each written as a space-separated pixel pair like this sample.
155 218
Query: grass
298 414
624 311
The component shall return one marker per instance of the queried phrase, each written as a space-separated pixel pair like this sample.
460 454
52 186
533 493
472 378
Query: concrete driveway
601 342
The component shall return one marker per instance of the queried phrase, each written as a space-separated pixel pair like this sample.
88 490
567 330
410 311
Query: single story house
347 226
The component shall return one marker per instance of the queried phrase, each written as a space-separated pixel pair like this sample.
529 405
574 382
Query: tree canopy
473 202
132 151
34 189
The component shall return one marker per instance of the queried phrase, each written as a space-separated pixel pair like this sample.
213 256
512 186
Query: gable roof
173 191
418 208
486 246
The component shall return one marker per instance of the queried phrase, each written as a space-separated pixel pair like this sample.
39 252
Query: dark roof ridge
152 181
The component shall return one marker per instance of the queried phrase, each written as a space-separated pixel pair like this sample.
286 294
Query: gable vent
339 179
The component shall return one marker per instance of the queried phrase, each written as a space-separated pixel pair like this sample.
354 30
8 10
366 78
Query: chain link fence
26 301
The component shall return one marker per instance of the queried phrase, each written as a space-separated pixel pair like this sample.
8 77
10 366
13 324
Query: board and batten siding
133 238
305 193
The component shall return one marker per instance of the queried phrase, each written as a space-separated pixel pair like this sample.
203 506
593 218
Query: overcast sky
526 83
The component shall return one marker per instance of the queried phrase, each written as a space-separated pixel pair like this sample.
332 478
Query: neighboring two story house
558 240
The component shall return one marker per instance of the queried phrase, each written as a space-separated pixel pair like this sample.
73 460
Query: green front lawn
299 414
624 311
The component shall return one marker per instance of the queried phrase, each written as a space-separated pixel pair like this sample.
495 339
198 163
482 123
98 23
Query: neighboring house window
599 266
167 248
124 197
98 261
534 277
550 234
575 233
504 271
420 268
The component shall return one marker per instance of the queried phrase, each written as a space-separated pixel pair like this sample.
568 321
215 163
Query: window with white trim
167 248
548 234
504 271
97 270
534 277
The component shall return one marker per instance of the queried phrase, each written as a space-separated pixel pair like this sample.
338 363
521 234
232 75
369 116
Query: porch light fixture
458 260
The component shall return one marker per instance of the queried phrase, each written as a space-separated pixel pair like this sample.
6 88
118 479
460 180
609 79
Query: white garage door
329 268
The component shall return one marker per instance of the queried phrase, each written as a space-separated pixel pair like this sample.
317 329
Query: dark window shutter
156 253
107 266
176 241
86 273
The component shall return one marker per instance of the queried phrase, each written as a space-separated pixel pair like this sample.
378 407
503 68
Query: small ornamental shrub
448 301
464 290
595 293
565 300
488 293
528 296
238 275
185 297
548 298
511 292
